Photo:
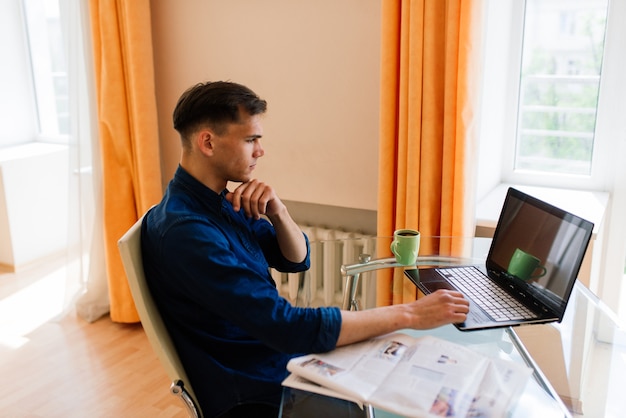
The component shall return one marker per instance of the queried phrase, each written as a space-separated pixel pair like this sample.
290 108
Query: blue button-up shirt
207 267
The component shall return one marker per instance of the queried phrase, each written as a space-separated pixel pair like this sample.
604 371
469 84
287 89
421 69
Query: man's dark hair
214 104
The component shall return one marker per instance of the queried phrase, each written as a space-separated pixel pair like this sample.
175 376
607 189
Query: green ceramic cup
405 246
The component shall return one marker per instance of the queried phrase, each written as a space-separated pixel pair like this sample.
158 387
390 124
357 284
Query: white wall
317 65
33 208
498 70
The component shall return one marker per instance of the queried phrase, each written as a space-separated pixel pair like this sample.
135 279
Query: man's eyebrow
254 137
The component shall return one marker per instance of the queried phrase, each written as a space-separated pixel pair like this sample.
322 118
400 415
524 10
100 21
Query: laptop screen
538 249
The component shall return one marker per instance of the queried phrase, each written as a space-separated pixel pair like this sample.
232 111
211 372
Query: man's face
236 151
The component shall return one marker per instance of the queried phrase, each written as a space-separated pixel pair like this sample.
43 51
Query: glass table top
583 357
579 364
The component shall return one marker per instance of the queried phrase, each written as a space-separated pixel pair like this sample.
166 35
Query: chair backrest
130 250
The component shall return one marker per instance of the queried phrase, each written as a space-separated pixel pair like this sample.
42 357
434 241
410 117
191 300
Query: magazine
413 377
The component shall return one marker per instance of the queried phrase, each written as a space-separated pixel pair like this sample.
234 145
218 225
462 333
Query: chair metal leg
177 388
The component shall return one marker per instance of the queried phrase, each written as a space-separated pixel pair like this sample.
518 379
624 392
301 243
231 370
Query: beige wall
317 65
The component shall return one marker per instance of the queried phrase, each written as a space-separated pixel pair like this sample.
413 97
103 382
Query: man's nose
259 151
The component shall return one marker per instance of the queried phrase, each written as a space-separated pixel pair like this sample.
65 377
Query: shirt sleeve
266 235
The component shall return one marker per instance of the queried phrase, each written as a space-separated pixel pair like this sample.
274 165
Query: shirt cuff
330 328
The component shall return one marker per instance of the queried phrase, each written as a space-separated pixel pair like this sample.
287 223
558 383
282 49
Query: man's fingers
257 203
253 197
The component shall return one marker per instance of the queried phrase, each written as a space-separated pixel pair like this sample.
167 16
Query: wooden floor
66 367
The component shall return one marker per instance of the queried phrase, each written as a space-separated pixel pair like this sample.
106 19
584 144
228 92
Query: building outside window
563 46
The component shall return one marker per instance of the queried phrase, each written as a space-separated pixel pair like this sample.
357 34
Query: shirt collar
197 188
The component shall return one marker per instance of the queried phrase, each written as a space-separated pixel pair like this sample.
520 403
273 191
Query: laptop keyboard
500 305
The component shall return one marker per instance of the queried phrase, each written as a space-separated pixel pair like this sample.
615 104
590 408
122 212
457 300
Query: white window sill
29 150
586 204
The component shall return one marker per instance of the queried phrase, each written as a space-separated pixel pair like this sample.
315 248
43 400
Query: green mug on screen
405 246
523 265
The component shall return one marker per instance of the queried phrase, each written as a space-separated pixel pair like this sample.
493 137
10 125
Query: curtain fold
127 125
85 212
428 97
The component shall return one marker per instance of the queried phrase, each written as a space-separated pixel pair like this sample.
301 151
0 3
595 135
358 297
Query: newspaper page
409 376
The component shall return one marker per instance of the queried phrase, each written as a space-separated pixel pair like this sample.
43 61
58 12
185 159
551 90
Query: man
207 253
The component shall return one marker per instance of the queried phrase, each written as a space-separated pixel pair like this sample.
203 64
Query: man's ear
205 141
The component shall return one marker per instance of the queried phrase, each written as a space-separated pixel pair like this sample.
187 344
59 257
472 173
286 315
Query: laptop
532 265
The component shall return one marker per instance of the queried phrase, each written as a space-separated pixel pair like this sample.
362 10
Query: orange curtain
428 85
127 124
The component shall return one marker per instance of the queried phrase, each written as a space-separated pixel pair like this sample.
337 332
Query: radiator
322 284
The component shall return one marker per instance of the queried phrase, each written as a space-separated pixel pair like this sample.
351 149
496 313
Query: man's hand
255 198
437 309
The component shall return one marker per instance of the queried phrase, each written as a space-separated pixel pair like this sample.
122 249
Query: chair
130 249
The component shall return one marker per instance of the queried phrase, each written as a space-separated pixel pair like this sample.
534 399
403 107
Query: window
49 68
563 46
543 93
